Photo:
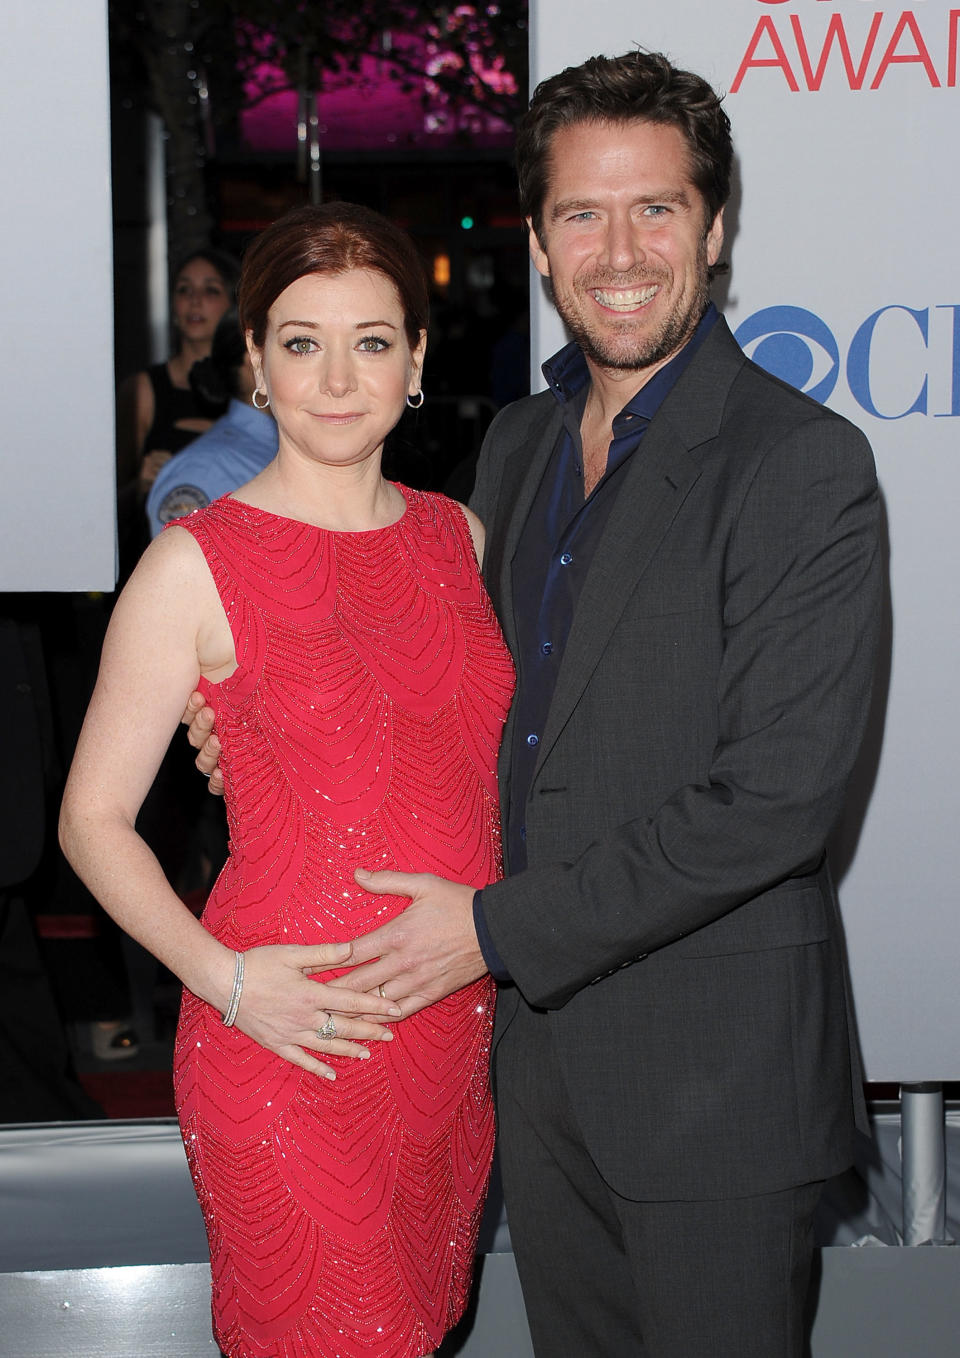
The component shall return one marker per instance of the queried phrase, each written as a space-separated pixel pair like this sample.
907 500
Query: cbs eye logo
900 361
794 345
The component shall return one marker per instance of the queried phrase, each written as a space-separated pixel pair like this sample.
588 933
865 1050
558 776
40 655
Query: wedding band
328 1030
380 991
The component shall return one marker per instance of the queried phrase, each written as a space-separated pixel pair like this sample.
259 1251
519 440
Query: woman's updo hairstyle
330 239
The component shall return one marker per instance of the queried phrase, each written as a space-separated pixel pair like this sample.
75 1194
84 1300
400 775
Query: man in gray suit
683 554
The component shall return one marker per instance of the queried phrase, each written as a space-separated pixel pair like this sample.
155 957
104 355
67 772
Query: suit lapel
656 483
521 479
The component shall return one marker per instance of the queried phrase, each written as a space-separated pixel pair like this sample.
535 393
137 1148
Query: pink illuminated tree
200 63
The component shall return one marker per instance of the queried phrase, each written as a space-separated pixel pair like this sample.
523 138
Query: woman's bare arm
167 626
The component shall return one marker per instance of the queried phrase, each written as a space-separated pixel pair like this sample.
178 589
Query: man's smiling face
626 242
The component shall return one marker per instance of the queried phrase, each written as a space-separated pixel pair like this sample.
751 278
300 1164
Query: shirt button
523 832
533 738
547 648
566 559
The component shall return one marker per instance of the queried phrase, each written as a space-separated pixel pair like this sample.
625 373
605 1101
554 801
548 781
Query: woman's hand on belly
288 1013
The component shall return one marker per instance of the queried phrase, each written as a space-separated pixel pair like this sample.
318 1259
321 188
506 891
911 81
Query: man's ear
537 253
715 239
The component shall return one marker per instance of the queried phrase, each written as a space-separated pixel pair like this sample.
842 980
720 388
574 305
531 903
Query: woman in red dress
337 625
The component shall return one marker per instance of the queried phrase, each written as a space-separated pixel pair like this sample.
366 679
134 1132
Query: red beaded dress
360 729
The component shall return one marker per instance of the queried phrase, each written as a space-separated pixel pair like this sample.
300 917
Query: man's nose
623 247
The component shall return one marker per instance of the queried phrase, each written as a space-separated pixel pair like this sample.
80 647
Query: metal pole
158 266
303 97
923 1153
315 182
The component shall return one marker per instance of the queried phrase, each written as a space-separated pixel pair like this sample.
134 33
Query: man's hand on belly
425 953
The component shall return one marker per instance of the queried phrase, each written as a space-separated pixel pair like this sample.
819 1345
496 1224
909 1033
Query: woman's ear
417 354
256 359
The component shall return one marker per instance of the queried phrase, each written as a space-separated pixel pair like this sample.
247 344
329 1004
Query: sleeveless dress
360 729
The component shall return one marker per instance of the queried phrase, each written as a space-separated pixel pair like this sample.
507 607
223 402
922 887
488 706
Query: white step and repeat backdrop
843 241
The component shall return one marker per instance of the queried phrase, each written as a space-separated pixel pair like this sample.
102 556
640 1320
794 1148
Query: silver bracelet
230 1017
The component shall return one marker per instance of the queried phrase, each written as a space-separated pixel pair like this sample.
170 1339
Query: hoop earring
255 403
415 405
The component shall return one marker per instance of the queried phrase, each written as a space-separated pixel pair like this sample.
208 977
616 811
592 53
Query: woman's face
337 365
200 297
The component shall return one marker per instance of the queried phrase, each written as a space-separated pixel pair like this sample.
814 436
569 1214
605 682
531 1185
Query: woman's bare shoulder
172 569
477 531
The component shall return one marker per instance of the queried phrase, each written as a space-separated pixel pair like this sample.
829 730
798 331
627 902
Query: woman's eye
373 344
303 344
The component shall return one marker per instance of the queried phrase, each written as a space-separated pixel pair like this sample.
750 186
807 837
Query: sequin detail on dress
360 729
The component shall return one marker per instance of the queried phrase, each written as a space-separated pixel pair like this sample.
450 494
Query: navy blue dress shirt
551 564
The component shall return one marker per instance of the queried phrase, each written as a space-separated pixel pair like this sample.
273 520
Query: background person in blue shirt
683 552
233 451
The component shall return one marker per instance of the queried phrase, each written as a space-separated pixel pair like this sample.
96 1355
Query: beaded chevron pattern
360 729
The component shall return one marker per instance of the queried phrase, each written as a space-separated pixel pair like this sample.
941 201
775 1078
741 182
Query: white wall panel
57 520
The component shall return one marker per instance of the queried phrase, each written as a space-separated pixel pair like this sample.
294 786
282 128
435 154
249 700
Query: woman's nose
338 377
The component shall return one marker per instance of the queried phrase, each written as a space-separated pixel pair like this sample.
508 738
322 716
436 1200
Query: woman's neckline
321 528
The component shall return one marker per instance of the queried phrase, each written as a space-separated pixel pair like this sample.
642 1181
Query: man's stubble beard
675 330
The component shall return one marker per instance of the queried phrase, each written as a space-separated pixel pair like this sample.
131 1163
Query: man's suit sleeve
800 610
483 496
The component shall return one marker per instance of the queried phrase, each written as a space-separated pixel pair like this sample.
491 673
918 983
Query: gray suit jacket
677 918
